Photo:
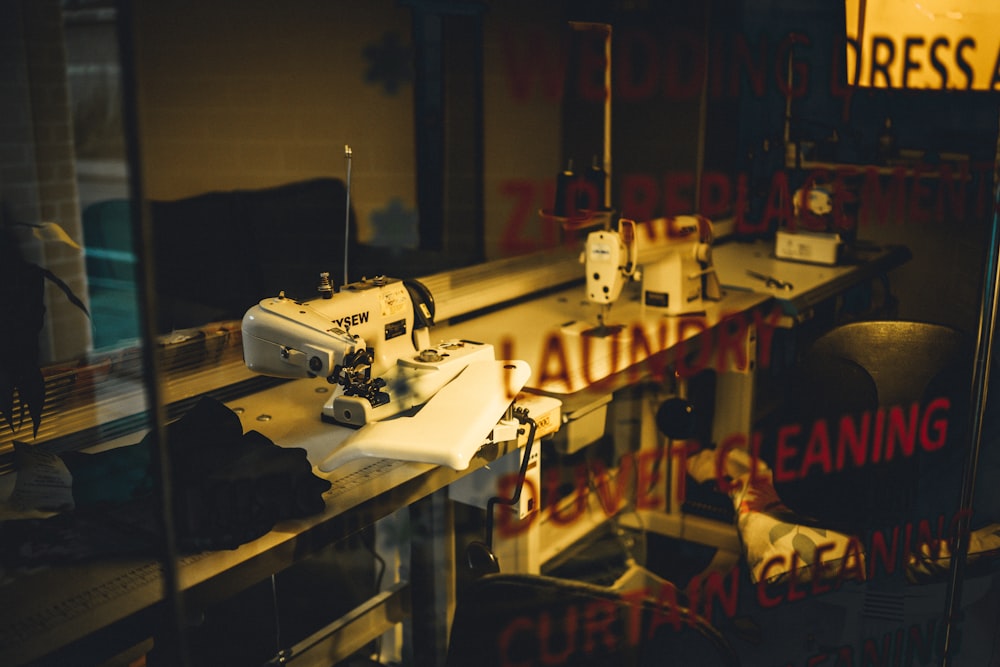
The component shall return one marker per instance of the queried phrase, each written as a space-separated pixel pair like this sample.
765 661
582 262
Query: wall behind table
236 94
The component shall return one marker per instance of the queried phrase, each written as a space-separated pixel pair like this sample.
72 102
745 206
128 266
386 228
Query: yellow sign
924 44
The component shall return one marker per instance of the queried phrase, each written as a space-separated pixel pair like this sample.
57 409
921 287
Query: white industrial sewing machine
372 340
676 258
610 259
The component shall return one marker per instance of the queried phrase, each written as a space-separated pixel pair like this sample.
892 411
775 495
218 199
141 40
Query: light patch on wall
394 226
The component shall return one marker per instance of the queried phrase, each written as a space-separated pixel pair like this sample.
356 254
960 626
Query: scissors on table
770 281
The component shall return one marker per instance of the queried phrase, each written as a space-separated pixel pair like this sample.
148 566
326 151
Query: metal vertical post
980 384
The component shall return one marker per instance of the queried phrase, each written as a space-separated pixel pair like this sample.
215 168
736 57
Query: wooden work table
49 612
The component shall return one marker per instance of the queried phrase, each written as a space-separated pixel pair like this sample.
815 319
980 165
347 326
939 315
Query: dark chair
519 619
868 367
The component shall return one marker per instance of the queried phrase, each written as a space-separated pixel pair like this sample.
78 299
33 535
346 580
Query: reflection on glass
245 109
71 376
65 72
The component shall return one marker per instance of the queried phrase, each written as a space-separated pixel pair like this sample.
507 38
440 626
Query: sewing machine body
366 340
610 259
283 337
678 274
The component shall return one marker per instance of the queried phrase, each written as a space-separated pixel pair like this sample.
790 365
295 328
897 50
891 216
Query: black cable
383 566
522 416
278 651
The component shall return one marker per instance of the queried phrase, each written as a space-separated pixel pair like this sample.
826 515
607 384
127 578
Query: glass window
734 265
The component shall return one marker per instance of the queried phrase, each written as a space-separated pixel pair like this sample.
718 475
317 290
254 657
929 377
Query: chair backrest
865 367
904 359
519 619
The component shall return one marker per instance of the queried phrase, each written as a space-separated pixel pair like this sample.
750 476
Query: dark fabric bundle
229 487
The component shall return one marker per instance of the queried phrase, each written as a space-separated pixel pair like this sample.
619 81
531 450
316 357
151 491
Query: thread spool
564 190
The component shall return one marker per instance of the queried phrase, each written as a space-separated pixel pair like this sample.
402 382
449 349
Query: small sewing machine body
404 397
678 274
